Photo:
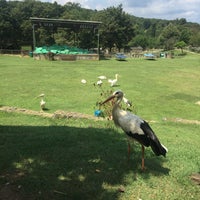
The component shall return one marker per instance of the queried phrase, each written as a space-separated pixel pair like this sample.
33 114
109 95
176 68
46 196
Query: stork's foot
143 168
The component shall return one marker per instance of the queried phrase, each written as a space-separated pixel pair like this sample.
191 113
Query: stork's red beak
108 99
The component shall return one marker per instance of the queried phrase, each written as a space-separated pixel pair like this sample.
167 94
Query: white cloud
163 9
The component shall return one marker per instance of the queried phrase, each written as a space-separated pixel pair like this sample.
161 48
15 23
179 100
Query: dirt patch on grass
180 120
10 109
196 178
59 114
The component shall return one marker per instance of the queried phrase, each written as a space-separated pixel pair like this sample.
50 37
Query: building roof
65 23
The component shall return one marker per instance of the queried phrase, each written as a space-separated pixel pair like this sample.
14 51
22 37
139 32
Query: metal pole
34 39
98 49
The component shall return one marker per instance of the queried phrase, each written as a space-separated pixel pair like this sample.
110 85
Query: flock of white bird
113 82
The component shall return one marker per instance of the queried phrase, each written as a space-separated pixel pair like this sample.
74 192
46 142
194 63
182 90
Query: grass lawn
46 158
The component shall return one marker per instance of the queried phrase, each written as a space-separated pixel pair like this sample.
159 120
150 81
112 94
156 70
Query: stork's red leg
142 157
129 150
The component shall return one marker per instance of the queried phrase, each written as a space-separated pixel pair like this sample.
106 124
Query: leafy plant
105 110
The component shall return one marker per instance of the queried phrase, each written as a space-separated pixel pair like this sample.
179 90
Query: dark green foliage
119 29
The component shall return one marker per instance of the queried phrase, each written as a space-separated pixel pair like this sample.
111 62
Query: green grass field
46 158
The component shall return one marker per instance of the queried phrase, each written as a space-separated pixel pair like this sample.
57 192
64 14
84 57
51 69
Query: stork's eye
117 93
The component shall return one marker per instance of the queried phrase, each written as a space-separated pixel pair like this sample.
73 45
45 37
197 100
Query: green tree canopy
180 45
169 36
117 28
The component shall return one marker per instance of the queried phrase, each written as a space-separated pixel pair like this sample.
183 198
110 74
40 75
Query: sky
159 9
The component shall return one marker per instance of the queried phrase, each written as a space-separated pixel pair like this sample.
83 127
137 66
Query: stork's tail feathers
165 150
158 148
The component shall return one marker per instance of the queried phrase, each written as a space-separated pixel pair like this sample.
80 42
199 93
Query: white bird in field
135 127
102 77
114 81
42 102
99 82
127 102
83 81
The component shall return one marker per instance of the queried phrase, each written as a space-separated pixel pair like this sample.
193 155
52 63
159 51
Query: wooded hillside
119 29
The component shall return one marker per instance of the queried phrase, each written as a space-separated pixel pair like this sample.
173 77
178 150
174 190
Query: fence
15 52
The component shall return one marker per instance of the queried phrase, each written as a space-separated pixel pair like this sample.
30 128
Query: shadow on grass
60 162
117 85
185 97
122 60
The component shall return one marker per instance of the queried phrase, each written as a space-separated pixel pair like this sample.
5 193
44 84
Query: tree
169 36
195 40
74 11
87 39
7 30
185 35
180 45
117 28
139 40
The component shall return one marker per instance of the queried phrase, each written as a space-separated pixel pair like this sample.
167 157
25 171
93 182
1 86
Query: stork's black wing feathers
142 139
155 144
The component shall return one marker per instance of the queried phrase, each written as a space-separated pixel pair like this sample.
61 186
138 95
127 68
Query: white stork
99 82
42 102
127 102
113 81
135 127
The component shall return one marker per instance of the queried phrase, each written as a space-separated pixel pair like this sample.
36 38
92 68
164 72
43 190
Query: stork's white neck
116 113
